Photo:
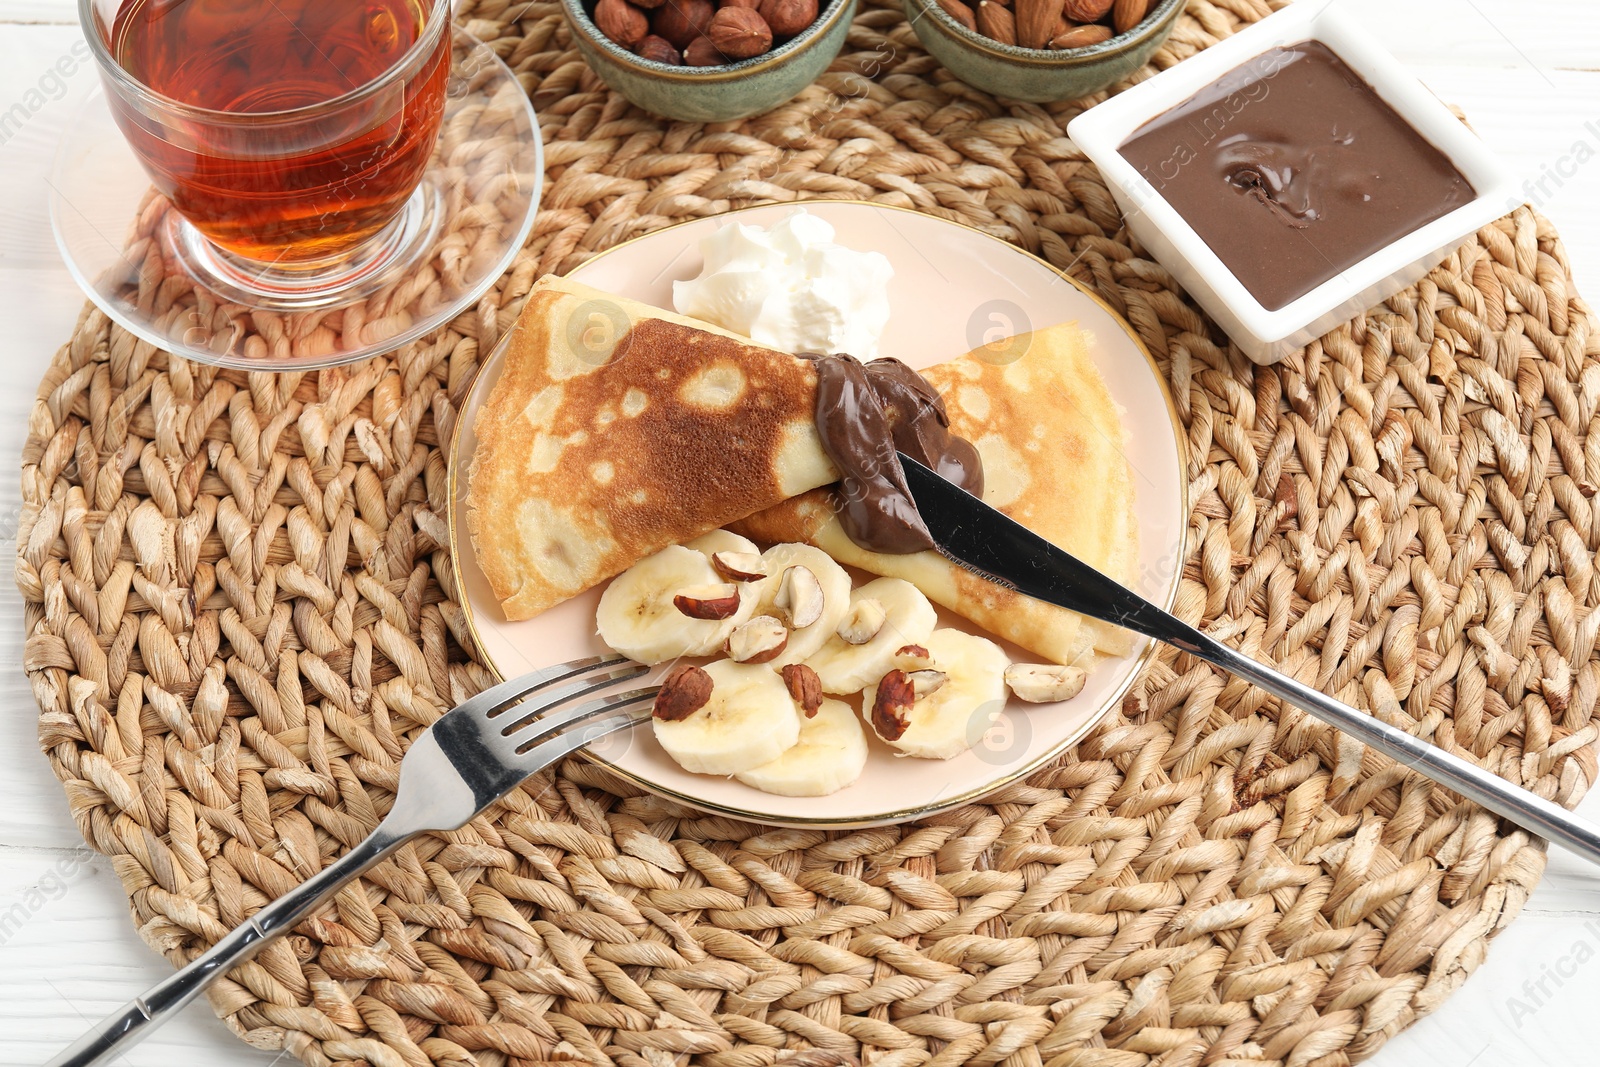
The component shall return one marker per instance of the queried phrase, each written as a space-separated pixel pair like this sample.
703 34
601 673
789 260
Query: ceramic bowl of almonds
709 60
1042 50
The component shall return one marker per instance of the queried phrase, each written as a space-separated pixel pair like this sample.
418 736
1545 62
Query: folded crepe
617 429
1051 440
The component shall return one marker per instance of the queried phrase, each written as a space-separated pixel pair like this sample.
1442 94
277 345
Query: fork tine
585 723
553 696
495 699
560 720
479 753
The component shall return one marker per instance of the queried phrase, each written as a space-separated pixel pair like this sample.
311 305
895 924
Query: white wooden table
1526 74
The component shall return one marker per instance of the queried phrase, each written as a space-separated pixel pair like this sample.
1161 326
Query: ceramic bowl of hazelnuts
709 60
1042 50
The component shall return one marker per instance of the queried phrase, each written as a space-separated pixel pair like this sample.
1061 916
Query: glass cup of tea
289 135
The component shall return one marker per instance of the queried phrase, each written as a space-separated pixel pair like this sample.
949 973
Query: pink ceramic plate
954 288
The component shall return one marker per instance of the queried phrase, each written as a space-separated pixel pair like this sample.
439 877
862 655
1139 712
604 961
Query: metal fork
472 756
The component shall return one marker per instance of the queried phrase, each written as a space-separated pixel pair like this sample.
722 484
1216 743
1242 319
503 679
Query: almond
739 33
1082 37
702 53
681 21
799 597
738 566
684 691
708 601
757 641
621 22
889 706
1044 683
960 12
659 50
1086 10
996 22
804 686
1126 14
1035 20
788 17
862 624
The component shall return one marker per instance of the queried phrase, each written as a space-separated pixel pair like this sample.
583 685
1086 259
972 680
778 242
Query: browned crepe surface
598 446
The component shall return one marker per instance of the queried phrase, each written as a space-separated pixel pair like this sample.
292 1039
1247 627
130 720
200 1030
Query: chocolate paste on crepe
865 412
616 429
1051 441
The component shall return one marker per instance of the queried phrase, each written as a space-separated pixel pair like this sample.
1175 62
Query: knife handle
1513 803
976 536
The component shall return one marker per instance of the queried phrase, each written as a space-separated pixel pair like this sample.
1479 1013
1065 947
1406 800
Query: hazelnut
738 566
658 49
926 683
709 602
684 691
893 700
702 53
620 21
681 21
739 3
1044 683
912 658
788 17
800 595
760 640
804 686
739 33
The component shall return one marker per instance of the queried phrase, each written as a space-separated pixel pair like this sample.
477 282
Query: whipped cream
791 288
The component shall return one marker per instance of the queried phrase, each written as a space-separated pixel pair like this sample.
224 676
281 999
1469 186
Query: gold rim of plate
1112 699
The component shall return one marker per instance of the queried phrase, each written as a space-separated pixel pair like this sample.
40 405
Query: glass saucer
457 235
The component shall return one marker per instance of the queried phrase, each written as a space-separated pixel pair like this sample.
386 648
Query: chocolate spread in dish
1292 169
864 413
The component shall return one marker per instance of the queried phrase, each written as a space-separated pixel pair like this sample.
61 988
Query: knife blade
995 546
974 535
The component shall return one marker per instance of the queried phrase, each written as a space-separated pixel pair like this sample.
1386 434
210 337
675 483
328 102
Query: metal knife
977 537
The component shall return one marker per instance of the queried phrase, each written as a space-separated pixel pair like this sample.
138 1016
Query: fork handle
141 1016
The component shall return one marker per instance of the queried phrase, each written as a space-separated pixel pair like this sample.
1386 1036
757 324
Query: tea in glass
288 132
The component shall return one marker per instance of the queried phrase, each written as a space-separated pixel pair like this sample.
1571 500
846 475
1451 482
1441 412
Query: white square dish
1266 336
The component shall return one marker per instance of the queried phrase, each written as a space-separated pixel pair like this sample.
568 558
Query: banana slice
637 616
783 599
937 718
908 620
723 541
829 756
749 720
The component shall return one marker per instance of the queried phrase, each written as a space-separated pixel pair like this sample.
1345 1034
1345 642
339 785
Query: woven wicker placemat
239 607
